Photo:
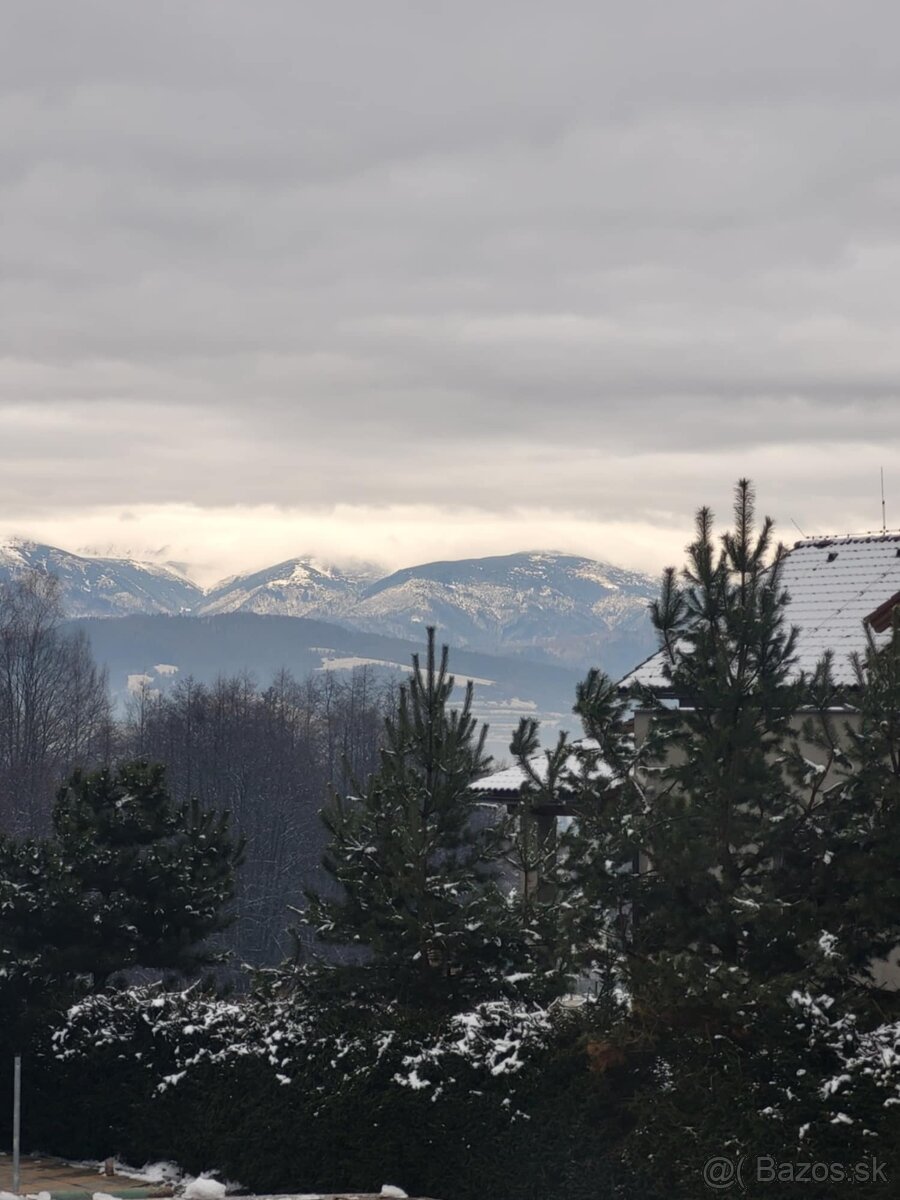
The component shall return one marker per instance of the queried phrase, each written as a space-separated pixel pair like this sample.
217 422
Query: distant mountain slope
545 605
160 650
300 587
102 587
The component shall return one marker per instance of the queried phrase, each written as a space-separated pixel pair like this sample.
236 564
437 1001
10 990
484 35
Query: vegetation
419 900
127 880
690 969
266 755
741 869
54 705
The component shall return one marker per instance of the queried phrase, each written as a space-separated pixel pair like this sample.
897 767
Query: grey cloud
292 253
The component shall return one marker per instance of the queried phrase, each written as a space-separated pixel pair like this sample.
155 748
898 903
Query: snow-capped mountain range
103 587
546 606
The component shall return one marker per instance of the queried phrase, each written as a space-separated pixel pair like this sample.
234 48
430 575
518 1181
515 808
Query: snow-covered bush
797 1078
294 1094
864 1081
183 1035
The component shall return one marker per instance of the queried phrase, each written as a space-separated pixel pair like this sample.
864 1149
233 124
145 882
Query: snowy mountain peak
101 587
300 587
15 551
539 604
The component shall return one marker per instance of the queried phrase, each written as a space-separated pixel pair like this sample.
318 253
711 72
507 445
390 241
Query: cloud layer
385 278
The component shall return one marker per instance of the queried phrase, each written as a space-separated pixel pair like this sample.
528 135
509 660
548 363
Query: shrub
281 1096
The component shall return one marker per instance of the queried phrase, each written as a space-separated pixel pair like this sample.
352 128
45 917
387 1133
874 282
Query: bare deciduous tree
54 706
268 756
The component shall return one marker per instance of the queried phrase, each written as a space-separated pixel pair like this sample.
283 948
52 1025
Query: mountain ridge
544 605
95 586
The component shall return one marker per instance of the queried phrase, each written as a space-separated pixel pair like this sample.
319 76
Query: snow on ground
204 1188
155 1172
352 661
190 1187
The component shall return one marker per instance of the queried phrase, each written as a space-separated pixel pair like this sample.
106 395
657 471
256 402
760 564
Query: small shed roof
508 782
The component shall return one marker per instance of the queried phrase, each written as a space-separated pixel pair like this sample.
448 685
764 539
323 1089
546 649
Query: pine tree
575 782
128 879
711 813
749 852
36 895
414 858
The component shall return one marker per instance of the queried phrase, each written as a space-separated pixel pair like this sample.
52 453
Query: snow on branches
179 1034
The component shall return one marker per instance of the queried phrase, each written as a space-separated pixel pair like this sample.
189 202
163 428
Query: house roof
835 584
508 782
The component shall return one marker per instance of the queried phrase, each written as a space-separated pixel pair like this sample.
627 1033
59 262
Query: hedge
501 1101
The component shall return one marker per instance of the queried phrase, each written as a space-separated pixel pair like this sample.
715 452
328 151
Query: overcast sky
408 281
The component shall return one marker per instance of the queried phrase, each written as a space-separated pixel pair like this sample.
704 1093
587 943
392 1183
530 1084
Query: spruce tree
416 901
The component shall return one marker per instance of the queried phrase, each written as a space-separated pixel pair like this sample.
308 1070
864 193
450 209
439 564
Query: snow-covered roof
509 781
834 584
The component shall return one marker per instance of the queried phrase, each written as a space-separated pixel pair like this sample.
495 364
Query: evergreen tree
721 814
414 859
128 880
36 895
745 852
860 865
550 845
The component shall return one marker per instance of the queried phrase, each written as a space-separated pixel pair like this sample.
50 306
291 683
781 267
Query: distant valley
158 651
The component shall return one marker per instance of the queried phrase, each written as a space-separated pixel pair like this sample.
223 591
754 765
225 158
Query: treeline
267 754
269 757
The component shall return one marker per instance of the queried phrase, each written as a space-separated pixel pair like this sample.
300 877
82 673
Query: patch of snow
828 944
155 1172
204 1188
351 661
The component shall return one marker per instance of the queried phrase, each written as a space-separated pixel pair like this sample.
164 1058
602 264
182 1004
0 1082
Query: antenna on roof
883 518
797 527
